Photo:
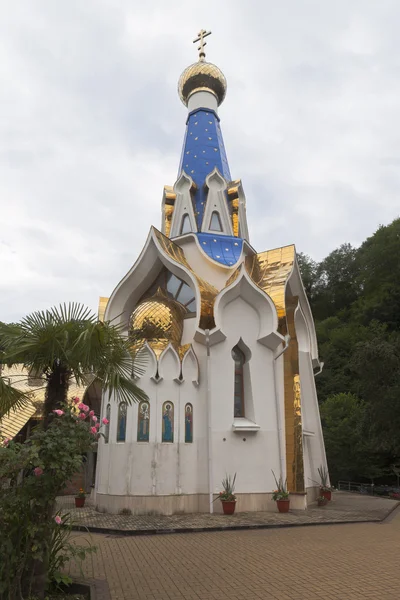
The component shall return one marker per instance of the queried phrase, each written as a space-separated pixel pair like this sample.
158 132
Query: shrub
34 544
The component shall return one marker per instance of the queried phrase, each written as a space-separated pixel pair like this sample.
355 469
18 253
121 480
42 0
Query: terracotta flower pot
283 505
228 506
326 494
80 502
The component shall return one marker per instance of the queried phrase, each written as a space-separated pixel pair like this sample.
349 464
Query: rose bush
32 474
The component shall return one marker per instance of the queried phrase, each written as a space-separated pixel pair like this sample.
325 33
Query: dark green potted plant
324 488
281 495
227 496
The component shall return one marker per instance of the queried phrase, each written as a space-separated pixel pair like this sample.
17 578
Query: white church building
230 345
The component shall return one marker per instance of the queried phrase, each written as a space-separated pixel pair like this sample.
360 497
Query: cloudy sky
91 129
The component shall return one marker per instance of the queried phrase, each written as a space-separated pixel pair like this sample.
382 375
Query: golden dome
202 77
157 320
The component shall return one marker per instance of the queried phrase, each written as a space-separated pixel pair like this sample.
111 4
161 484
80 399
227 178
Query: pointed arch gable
296 287
157 253
302 333
169 366
217 202
243 287
183 207
190 367
150 360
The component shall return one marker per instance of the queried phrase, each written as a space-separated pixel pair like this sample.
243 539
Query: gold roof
270 271
159 321
202 76
20 378
102 308
207 291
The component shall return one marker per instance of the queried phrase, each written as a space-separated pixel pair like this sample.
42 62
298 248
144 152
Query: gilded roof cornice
270 270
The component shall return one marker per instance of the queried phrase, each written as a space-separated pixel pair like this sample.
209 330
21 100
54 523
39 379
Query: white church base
195 503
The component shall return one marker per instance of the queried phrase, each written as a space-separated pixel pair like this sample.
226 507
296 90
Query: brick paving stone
336 562
344 507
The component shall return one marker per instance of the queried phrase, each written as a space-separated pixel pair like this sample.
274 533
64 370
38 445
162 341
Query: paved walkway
335 562
343 508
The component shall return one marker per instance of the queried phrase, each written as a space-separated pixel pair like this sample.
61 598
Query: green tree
342 418
309 273
336 286
379 277
61 344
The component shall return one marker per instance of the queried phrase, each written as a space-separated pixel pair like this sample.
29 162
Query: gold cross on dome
201 35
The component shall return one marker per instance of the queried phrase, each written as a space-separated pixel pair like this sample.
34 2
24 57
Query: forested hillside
355 298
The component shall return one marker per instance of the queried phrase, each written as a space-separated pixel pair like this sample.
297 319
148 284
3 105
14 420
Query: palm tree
59 345
69 342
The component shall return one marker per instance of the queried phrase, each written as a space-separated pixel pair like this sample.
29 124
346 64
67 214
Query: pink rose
58 412
97 425
94 419
76 400
93 429
7 441
91 413
82 416
85 408
80 406
38 471
57 520
105 421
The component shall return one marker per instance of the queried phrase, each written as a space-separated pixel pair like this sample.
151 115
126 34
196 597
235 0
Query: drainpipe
209 435
281 443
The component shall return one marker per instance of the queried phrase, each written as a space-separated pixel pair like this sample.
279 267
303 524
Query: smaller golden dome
157 320
202 77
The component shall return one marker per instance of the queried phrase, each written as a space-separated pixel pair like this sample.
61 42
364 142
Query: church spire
202 88
203 201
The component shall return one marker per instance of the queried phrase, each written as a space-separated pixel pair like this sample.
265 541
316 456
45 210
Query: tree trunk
56 391
56 395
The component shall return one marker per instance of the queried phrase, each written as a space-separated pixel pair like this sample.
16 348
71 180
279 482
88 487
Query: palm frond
10 397
71 335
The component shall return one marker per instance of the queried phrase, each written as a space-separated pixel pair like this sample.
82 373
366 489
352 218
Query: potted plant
80 498
227 497
322 501
281 495
324 488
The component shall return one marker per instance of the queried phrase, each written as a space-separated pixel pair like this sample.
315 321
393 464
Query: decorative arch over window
215 222
107 427
168 422
143 431
185 225
188 423
121 422
239 360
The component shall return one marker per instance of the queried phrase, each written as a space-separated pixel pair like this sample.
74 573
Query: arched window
239 359
215 222
168 422
188 424
143 422
185 225
121 423
107 427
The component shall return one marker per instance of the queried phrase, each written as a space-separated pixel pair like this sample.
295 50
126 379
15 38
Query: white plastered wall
252 455
143 469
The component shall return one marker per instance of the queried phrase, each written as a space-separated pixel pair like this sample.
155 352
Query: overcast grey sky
91 128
